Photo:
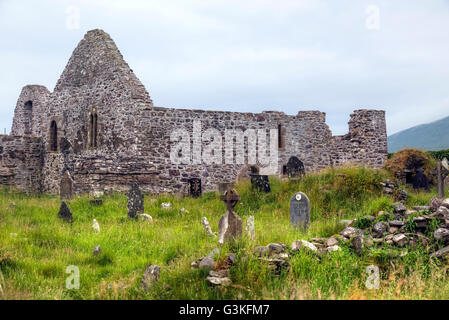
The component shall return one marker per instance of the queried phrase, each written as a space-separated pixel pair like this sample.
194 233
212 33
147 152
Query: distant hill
429 136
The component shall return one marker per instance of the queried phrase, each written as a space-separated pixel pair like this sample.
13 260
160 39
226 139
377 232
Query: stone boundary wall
21 160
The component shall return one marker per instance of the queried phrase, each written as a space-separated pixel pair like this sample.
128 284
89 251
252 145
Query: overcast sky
247 55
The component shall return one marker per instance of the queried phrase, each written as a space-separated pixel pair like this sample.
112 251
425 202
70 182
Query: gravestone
66 186
207 227
250 228
230 225
294 168
194 187
135 201
222 187
96 202
300 210
260 182
64 213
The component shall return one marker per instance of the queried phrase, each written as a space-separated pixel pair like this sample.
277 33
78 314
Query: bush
410 159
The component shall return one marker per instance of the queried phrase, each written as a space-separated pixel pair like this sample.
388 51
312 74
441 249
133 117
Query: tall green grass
33 262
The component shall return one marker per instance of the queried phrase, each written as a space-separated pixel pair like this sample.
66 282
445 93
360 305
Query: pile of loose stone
392 188
400 228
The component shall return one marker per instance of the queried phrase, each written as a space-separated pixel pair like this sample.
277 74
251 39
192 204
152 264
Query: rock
220 273
350 232
357 244
166 205
441 234
299 244
64 213
332 241
261 251
275 248
389 237
396 223
145 217
410 212
393 229
445 203
421 222
399 209
379 229
333 248
224 282
400 240
207 263
150 276
435 203
442 211
277 266
422 208
96 250
402 195
13 235
440 253
183 211
319 240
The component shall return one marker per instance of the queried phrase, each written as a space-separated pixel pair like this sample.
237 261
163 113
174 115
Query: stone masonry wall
21 161
134 137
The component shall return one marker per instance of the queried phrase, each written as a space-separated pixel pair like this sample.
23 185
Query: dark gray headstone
64 213
135 201
194 187
66 186
300 210
260 182
96 202
294 168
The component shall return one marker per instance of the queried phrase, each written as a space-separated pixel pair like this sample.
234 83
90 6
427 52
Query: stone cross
300 210
230 198
230 225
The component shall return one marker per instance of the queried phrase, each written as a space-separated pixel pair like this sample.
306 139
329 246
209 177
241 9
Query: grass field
36 247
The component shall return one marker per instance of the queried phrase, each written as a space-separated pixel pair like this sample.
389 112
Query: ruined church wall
29 111
21 160
366 142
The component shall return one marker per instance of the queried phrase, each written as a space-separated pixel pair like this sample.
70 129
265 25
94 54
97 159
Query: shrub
410 159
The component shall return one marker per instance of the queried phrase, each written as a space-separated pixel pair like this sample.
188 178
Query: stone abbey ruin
100 125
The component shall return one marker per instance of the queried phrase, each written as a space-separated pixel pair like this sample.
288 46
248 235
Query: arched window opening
280 137
28 117
93 130
53 136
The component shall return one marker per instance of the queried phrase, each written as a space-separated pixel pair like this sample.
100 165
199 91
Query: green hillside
429 136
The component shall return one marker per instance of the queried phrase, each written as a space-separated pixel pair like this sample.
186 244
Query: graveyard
307 238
